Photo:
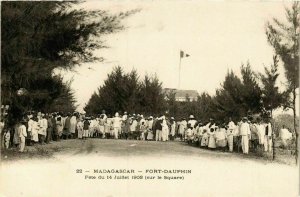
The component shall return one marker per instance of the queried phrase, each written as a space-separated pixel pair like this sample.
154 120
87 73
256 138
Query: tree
251 92
125 92
172 104
151 96
205 107
132 89
229 101
284 38
65 101
272 97
39 37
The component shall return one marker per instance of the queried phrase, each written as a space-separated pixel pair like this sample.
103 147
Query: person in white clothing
6 138
35 130
261 133
117 122
73 123
133 127
30 125
173 127
192 121
268 136
102 120
22 135
80 128
43 124
245 133
199 132
124 126
230 132
181 129
149 128
221 137
285 135
165 129
125 116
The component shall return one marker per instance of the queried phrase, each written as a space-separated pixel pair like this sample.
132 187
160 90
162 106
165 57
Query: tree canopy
38 37
126 92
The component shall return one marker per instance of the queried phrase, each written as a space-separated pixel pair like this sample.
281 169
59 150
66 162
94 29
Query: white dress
34 131
211 139
165 131
73 124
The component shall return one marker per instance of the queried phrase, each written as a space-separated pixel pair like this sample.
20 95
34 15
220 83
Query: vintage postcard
149 98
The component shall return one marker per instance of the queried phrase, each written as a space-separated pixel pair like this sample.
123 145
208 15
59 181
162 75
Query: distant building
181 95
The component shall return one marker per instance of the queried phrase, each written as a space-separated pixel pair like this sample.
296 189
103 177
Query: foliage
251 92
283 120
284 38
125 92
229 98
38 37
272 98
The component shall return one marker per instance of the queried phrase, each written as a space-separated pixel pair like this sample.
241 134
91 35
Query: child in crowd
204 139
189 134
22 134
6 138
212 139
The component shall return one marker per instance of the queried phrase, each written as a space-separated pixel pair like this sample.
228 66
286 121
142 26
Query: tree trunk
295 124
273 136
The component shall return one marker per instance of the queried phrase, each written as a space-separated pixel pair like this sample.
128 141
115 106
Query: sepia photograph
149 98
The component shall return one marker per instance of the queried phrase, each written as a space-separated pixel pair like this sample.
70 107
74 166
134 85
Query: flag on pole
183 54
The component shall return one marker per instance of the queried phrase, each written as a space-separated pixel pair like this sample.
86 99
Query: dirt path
213 173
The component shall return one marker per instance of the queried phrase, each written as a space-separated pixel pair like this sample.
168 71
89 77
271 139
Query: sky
219 36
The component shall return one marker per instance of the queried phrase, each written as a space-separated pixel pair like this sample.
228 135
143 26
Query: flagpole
179 71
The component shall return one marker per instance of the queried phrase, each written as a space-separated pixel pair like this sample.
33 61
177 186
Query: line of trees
235 98
252 94
127 92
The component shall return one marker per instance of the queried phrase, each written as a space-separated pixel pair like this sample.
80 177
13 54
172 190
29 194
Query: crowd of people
228 136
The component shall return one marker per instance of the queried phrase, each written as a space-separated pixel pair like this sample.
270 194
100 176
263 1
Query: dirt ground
214 173
120 148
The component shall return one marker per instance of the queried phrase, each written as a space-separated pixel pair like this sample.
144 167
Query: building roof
181 93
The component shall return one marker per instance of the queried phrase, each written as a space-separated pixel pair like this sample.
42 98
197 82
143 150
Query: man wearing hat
158 125
192 122
245 133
